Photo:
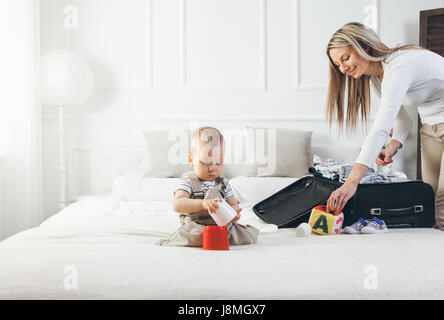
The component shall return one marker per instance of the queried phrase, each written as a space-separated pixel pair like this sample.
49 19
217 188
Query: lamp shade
65 79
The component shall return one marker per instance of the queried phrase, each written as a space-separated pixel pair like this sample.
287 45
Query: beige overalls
190 234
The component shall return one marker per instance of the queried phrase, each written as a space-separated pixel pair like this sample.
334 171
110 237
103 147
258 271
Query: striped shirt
185 184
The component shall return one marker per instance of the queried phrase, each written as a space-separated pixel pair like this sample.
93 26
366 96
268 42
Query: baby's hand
211 205
238 215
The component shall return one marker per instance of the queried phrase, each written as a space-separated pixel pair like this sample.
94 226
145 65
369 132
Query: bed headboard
117 146
431 36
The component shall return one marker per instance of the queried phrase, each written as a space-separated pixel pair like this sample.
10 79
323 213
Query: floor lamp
66 80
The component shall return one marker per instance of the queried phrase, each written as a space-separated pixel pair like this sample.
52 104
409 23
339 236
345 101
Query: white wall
163 63
2 199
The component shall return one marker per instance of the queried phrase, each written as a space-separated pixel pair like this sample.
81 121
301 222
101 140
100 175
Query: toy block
325 223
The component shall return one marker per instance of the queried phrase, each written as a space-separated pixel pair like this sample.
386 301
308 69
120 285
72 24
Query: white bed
101 248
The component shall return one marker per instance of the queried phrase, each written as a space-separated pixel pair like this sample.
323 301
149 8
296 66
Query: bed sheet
101 248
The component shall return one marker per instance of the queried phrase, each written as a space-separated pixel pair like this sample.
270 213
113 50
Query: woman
357 58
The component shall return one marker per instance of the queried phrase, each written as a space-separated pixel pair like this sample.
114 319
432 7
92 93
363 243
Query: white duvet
107 219
101 248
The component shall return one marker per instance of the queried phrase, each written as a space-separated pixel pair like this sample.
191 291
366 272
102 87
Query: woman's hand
384 158
340 197
211 205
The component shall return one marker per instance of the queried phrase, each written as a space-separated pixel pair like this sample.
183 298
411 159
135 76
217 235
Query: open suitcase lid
295 201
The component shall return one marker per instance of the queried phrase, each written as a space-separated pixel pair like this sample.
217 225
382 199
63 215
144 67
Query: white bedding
106 244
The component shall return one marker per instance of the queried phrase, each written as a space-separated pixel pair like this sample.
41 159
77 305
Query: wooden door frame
423 42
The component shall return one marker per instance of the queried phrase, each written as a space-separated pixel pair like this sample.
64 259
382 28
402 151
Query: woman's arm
340 197
397 80
391 114
402 126
401 130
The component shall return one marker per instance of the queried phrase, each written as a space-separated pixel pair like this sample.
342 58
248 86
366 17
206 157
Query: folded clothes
325 173
390 177
330 169
318 161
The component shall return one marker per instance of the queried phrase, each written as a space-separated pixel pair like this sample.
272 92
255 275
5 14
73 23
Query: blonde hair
367 44
206 135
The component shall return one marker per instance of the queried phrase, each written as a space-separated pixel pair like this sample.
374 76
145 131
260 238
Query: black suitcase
408 204
292 205
401 205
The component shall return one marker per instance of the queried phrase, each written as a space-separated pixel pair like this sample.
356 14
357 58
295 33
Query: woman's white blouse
416 77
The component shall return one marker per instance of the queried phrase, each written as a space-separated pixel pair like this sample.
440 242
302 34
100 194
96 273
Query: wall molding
264 57
144 118
149 58
297 29
160 118
76 157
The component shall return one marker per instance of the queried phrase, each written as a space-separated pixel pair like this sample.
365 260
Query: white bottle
224 214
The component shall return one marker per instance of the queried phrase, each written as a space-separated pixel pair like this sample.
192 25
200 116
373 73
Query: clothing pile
330 169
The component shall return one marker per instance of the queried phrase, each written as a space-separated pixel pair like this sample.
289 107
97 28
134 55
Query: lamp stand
62 167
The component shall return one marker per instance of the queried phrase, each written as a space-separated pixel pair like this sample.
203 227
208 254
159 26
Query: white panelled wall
228 63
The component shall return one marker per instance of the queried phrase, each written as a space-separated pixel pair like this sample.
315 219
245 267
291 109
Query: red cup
215 238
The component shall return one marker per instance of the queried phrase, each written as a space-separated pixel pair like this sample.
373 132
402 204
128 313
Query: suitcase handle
396 212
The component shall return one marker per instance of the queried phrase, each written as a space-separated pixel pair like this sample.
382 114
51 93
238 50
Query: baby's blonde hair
206 135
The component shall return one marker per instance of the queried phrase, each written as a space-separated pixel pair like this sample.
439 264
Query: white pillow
167 153
255 189
286 152
138 187
289 154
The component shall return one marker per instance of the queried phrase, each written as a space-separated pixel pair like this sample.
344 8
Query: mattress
101 247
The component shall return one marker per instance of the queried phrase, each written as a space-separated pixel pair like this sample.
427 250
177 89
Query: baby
195 196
